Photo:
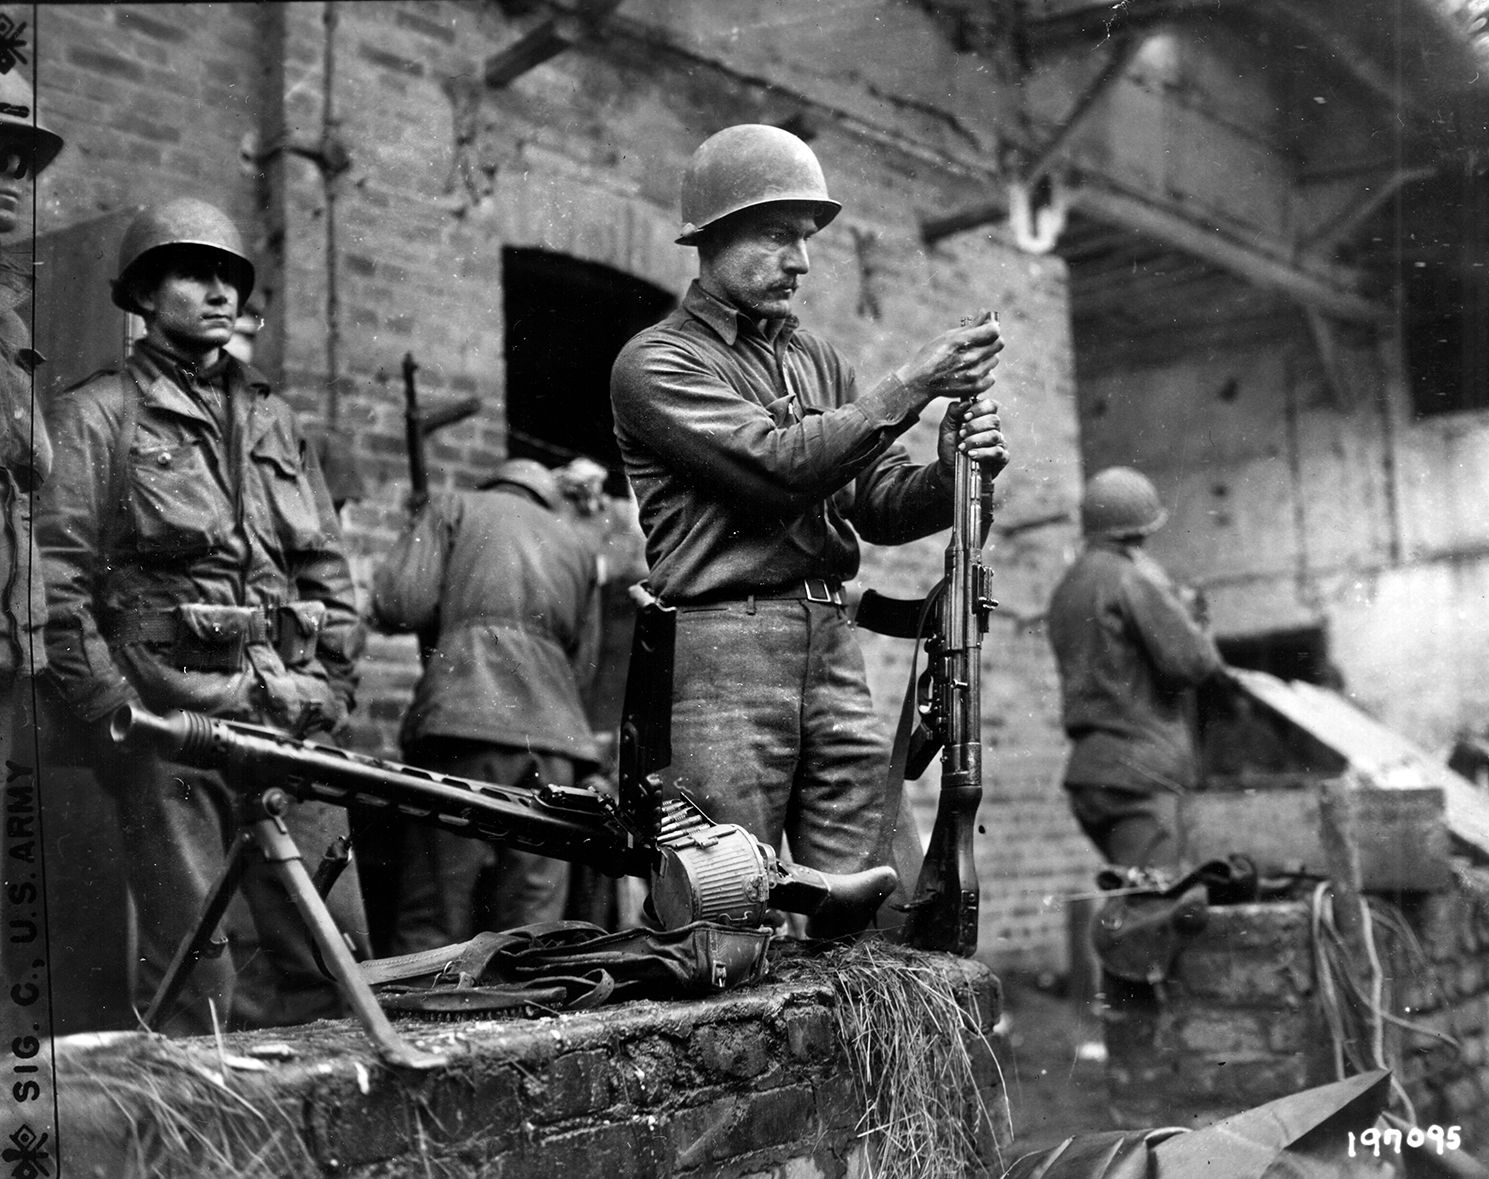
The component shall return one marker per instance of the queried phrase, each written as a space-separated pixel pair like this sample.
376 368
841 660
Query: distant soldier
1130 652
193 560
25 449
511 591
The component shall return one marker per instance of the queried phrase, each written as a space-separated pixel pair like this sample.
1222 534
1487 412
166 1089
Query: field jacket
161 507
25 462
511 591
1128 653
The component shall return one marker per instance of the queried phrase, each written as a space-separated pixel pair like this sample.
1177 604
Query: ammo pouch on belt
213 638
206 637
571 965
297 630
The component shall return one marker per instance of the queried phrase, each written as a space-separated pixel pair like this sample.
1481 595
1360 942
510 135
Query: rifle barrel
512 816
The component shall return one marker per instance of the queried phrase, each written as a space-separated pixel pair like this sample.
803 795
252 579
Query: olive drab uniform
193 560
25 462
513 593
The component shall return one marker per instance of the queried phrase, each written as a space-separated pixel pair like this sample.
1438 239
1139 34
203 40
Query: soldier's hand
958 363
975 427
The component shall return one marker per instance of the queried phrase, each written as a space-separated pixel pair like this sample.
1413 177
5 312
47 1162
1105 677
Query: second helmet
1121 502
185 221
747 165
530 475
18 122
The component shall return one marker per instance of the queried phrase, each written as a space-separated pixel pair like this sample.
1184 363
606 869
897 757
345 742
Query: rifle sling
897 824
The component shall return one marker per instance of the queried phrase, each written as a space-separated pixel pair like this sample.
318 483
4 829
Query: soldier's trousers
452 887
773 728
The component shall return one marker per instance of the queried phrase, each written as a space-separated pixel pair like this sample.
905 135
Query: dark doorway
1288 654
1239 738
566 321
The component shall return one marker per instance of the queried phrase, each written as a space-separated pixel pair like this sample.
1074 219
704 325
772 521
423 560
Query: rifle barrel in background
419 423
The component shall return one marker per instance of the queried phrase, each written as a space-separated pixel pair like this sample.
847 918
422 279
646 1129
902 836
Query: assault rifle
942 912
700 871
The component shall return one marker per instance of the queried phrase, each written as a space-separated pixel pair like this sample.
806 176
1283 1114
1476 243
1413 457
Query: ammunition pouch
297 629
214 638
204 637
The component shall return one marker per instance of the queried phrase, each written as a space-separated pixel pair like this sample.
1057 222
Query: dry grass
913 1044
186 1119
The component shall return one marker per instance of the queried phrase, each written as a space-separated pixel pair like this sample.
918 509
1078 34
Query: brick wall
1241 1020
755 1081
401 251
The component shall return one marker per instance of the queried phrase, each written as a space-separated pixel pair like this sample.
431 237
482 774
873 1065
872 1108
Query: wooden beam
1081 23
1126 48
566 28
934 228
1344 225
1313 282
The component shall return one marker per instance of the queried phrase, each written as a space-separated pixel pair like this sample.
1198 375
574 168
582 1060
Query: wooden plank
1377 755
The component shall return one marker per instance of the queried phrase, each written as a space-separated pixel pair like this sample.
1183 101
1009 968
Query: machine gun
942 912
699 870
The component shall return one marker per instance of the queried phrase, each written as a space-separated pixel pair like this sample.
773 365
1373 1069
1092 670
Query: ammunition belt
204 637
164 626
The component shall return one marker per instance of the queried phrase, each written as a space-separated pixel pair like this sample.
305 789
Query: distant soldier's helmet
530 475
18 125
747 165
182 223
1121 502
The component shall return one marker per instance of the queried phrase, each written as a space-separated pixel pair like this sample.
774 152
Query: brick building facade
392 190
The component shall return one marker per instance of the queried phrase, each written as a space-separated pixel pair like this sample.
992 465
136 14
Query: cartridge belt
165 626
205 637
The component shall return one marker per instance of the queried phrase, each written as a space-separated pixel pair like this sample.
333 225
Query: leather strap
811 589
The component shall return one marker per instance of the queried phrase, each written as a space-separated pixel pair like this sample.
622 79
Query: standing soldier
758 462
511 590
25 450
25 461
1129 653
193 560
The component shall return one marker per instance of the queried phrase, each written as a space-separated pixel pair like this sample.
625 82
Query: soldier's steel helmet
530 475
18 123
1121 502
183 222
747 165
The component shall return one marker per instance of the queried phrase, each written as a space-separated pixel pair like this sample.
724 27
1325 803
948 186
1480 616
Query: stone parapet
756 1081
